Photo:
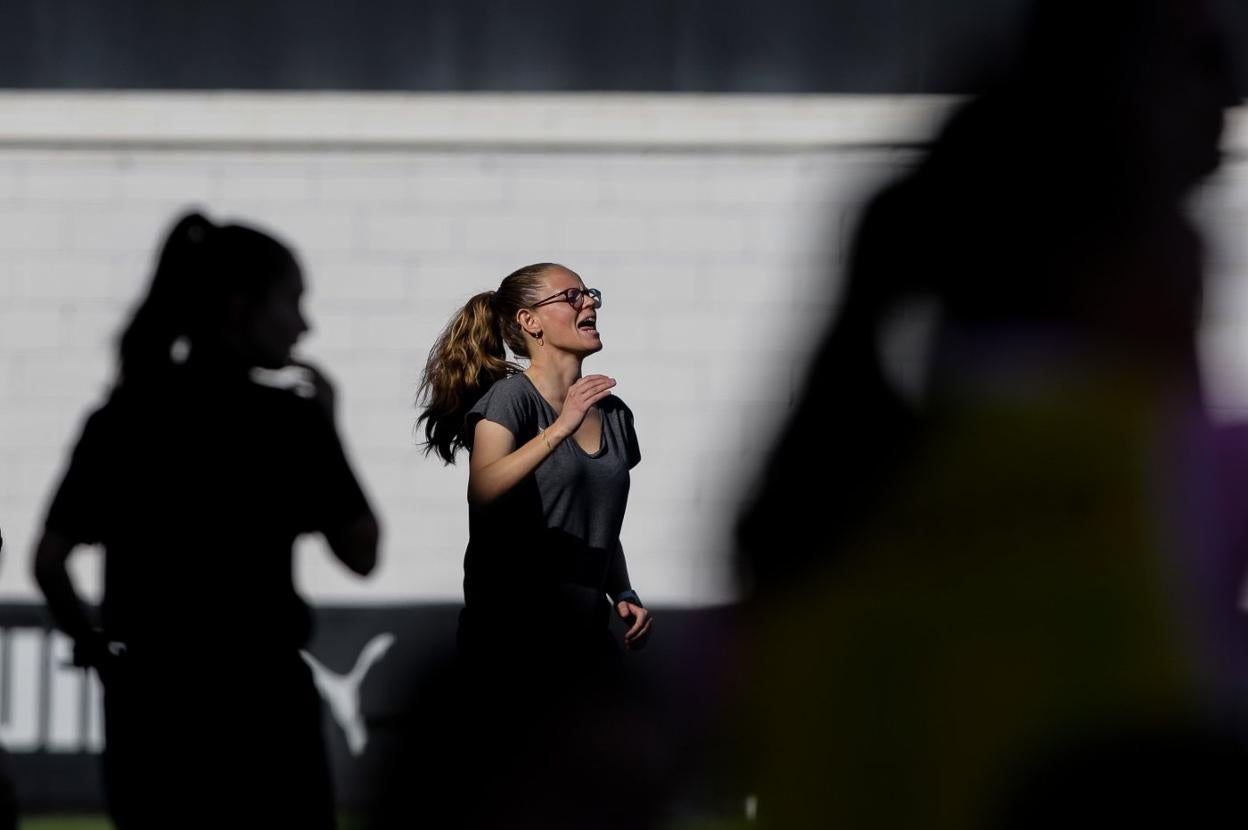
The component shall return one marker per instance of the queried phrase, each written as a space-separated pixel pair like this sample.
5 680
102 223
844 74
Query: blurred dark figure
1001 545
196 479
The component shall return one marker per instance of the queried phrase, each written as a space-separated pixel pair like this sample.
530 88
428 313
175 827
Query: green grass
64 823
344 823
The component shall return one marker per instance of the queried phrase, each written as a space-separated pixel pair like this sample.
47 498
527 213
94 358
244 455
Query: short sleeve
505 403
632 449
78 510
332 496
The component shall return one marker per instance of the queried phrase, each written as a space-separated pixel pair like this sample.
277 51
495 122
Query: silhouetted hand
322 390
95 652
581 396
639 624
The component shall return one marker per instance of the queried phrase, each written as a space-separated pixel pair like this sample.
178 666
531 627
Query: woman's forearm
617 574
495 479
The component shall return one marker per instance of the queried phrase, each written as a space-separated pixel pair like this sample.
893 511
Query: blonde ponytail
470 356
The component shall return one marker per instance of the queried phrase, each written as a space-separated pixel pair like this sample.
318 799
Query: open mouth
588 324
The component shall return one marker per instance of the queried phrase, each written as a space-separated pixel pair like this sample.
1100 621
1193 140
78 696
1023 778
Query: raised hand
582 395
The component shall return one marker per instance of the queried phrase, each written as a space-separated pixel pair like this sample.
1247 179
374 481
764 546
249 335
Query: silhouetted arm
67 608
338 506
355 543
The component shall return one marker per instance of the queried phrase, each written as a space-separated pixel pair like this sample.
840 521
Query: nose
589 297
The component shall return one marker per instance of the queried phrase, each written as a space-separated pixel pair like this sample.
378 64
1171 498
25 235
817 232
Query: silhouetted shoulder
78 510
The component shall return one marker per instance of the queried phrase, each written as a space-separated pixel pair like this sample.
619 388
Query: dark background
837 46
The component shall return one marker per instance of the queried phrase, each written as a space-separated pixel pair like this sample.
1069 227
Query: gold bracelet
546 440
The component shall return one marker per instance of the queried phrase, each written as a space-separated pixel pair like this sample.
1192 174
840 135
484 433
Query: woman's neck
553 375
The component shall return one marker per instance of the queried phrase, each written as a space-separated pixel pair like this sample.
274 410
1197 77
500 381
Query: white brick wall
713 225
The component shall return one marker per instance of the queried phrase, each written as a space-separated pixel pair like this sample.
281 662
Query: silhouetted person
197 479
954 577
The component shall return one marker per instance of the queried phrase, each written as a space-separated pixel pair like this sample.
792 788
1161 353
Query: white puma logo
342 691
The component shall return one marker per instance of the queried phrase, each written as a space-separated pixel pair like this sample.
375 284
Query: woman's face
563 325
274 325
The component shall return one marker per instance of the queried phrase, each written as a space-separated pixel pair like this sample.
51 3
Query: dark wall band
762 46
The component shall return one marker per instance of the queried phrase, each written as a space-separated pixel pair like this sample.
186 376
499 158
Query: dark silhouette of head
1050 209
1143 82
1020 215
224 294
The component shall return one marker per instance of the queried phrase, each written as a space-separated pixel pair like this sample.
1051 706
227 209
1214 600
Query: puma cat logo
342 691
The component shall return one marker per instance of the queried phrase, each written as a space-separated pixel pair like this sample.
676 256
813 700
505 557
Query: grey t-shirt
561 525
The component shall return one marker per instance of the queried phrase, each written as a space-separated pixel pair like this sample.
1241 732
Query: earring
540 342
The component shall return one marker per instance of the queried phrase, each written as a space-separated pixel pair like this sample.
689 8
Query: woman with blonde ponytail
550 451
